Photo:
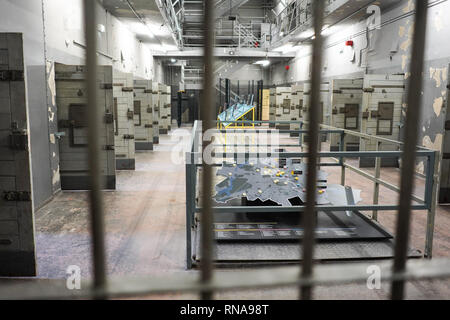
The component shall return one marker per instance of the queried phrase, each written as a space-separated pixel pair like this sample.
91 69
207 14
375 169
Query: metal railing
306 276
224 152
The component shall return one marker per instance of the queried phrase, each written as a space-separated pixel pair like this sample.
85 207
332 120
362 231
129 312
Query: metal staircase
246 37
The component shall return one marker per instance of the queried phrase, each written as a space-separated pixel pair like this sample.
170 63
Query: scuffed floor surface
145 231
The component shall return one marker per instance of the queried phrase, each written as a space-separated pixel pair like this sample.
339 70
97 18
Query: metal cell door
444 187
143 114
156 111
124 142
71 97
17 248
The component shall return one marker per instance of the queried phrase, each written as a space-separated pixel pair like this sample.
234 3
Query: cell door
156 113
124 120
444 188
143 115
351 116
17 248
71 99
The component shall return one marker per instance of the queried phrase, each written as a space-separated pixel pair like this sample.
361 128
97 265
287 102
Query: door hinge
17 195
11 75
106 86
5 242
109 118
128 136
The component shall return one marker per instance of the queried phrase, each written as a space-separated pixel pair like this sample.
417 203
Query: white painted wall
62 21
64 25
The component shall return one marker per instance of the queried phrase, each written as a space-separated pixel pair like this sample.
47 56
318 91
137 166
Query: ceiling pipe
141 20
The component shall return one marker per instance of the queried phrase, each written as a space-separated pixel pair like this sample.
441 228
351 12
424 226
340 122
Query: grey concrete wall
389 52
60 24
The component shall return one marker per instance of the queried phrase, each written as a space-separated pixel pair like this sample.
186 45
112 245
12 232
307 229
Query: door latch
18 139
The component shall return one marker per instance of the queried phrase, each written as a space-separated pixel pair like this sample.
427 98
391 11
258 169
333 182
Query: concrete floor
145 230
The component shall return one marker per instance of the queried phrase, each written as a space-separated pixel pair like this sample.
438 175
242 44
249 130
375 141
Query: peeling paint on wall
439 75
408 42
404 62
409 7
51 115
437 106
436 145
437 21
420 168
52 138
51 82
56 177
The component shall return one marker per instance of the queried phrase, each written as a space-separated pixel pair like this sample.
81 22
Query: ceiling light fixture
263 63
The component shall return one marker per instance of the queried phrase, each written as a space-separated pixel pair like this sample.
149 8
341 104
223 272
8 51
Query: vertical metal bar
376 187
207 123
220 92
409 153
253 88
342 160
189 213
238 91
309 216
94 116
434 171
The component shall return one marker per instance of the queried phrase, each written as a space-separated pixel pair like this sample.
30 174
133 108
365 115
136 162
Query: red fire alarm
287 68
349 43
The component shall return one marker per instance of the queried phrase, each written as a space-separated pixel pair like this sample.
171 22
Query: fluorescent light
288 47
309 34
163 47
327 30
263 63
306 34
141 29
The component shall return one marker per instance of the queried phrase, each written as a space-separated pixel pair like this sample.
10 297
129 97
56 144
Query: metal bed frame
305 276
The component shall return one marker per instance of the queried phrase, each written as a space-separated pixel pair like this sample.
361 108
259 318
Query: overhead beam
223 8
221 52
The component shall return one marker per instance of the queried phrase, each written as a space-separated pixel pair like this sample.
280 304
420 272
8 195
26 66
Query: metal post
342 160
253 88
409 153
179 108
376 187
309 216
94 117
227 92
432 211
189 190
220 92
207 123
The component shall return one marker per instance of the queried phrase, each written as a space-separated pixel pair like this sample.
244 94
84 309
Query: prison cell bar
207 124
93 114
409 157
309 217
